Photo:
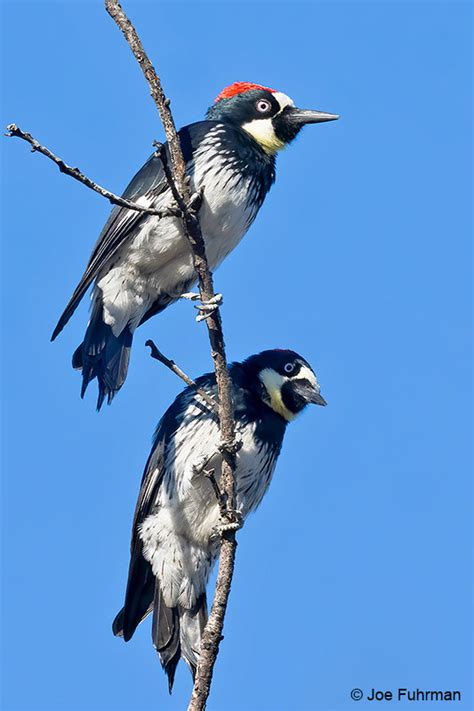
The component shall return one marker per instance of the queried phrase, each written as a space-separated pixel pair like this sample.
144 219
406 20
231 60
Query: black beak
309 393
303 116
318 399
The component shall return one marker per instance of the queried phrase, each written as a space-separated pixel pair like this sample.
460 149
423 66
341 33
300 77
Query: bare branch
187 204
156 90
158 355
14 130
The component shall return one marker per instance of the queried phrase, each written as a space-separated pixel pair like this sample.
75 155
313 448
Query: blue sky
355 572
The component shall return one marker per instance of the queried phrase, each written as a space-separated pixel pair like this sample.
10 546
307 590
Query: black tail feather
165 635
138 598
192 623
117 624
74 301
176 632
103 355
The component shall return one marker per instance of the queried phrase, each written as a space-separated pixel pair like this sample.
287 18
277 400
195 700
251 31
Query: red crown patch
239 87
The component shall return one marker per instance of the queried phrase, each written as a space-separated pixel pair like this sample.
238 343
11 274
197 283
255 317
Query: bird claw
230 522
231 447
205 308
211 304
190 295
233 522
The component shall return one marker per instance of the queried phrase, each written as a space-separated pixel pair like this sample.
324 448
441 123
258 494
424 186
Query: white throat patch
272 382
264 133
262 129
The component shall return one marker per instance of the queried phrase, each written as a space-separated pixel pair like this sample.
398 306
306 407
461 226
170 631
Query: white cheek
271 379
263 132
273 382
262 129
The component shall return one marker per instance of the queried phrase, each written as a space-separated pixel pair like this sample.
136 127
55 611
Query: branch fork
15 131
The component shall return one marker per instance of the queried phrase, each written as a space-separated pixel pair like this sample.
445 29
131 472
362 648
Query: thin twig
209 473
14 130
156 90
179 183
158 355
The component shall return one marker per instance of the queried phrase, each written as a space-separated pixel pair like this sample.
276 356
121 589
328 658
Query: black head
284 381
269 116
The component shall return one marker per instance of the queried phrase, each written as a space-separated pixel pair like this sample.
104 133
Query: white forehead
271 379
283 100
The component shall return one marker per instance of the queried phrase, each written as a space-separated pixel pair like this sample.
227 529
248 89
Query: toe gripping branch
205 308
230 519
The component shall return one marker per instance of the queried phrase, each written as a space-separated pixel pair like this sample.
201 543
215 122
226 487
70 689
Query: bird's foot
231 447
205 308
231 521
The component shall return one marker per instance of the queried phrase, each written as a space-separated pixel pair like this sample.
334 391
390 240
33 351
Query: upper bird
142 263
175 538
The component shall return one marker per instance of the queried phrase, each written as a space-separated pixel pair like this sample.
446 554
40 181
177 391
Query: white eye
288 367
263 106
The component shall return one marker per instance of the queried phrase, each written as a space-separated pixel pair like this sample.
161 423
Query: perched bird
142 263
175 537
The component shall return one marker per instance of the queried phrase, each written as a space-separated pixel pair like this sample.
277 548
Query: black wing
141 581
148 183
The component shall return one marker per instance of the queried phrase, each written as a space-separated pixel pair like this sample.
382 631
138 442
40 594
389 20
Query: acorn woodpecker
141 263
175 536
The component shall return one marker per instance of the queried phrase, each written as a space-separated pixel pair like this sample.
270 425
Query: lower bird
176 528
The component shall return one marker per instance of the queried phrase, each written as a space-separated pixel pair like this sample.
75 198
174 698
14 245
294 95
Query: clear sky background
355 572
